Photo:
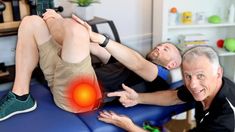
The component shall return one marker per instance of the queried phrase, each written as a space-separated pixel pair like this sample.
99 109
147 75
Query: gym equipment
38 7
2 8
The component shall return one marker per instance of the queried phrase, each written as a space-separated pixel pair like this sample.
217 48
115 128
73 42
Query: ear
171 65
220 72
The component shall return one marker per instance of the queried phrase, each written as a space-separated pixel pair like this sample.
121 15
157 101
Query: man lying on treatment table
62 47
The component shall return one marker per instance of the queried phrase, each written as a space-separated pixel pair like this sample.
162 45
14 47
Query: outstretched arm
132 60
128 97
128 57
163 98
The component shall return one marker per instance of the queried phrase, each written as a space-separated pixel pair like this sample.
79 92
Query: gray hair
206 51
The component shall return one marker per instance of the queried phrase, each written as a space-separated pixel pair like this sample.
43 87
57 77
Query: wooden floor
178 126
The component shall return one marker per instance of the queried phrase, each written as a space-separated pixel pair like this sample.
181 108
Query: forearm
162 98
130 58
100 52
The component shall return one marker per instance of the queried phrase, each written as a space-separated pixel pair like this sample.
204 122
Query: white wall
133 20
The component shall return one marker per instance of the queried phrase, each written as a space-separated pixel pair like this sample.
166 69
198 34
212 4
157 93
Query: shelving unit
227 59
9 26
163 32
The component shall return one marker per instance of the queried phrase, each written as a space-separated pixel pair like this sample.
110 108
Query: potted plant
84 8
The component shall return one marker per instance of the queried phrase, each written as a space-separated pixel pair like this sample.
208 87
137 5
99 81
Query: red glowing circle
84 95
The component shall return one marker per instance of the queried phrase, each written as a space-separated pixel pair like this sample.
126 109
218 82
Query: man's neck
206 103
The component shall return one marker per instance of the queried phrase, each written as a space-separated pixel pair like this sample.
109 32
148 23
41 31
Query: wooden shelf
9 28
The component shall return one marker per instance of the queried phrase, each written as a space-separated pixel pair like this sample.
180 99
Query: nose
158 48
193 83
155 51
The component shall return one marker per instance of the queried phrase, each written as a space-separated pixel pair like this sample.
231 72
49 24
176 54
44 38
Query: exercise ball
229 44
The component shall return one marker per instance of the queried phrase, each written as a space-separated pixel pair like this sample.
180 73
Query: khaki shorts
59 73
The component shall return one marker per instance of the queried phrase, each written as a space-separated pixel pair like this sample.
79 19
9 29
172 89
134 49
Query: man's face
162 54
199 77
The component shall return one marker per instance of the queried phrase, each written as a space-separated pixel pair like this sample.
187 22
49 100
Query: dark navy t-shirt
220 116
112 75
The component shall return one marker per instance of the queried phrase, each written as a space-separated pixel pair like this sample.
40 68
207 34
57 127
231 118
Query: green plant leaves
84 3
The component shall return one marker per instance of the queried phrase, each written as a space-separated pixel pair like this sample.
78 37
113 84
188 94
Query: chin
152 58
199 98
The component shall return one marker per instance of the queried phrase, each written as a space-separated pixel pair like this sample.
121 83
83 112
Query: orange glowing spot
84 95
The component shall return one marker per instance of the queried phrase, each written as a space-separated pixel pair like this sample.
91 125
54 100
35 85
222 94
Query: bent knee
33 21
76 29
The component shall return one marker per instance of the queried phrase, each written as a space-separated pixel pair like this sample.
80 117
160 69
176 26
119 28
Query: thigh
76 43
68 73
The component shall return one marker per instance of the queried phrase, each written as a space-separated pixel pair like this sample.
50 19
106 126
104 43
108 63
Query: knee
75 29
32 22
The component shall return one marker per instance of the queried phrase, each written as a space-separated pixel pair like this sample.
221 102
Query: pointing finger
115 94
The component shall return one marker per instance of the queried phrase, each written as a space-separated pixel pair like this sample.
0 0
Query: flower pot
86 13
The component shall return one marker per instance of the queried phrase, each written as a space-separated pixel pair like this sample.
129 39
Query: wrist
131 127
101 38
135 128
139 98
104 40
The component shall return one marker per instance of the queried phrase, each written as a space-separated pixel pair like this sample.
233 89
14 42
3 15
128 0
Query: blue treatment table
50 118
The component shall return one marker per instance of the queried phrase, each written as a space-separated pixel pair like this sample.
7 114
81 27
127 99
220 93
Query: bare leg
32 32
76 42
